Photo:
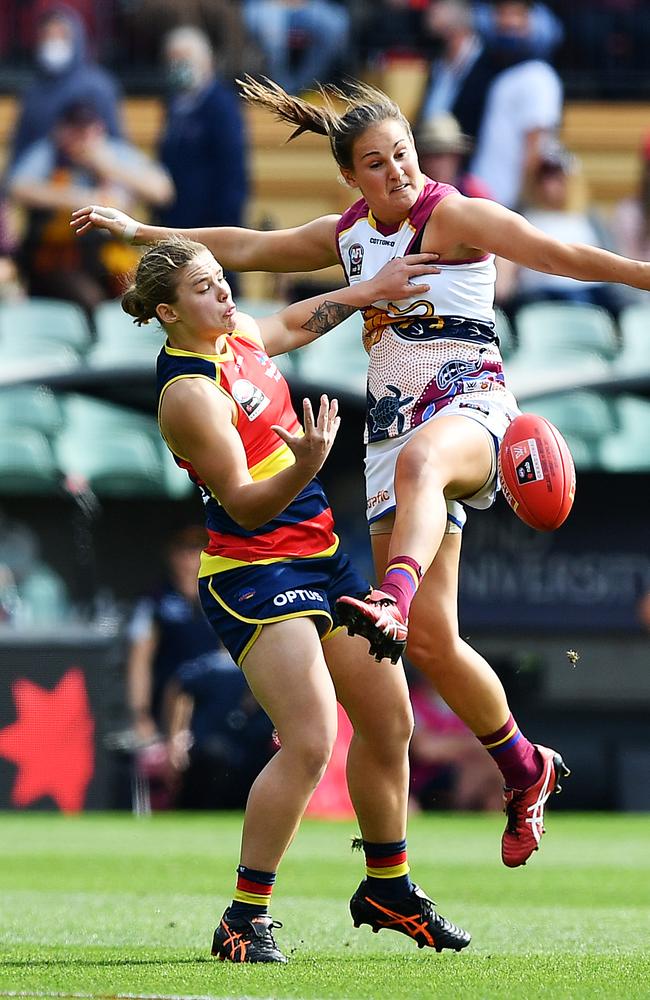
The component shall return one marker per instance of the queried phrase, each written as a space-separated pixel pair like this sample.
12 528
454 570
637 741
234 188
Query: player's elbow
249 520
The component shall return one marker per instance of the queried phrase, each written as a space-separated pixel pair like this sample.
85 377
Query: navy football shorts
239 602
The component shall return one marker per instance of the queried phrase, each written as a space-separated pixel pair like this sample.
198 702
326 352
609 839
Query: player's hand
396 279
312 448
115 222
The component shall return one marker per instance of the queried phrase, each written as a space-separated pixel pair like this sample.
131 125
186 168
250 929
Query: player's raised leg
448 457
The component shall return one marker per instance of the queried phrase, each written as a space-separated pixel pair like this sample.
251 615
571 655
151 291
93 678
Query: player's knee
312 754
399 729
420 461
431 652
388 734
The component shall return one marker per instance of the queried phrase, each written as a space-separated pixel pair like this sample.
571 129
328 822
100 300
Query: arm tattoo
326 316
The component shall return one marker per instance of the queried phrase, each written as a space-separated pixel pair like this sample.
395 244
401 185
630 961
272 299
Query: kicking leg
449 457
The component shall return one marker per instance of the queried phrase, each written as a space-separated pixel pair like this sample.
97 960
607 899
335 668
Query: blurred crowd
487 121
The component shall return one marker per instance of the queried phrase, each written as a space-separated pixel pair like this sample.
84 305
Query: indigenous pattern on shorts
426 350
247 376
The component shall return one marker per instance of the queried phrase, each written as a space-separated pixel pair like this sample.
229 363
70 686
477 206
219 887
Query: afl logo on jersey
356 259
251 399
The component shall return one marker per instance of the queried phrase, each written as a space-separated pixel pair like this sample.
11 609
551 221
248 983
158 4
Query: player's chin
406 195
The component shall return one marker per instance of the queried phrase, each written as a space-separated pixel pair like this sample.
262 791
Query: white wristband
130 230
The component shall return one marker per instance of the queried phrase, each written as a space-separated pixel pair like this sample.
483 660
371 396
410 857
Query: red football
538 478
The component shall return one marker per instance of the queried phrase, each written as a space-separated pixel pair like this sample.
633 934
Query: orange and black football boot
244 939
414 915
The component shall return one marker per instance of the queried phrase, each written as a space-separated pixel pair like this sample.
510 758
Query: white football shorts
494 412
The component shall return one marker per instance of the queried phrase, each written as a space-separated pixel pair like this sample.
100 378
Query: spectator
448 769
79 163
147 22
387 29
204 143
9 283
219 739
459 78
64 75
643 610
302 42
546 29
631 218
558 208
524 105
442 149
167 628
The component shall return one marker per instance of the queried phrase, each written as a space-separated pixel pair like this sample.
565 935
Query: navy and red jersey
246 375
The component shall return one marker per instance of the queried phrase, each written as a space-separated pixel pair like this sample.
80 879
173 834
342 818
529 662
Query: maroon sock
515 756
401 582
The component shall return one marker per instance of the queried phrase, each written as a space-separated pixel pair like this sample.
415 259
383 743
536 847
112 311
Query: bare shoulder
445 231
325 225
190 400
248 326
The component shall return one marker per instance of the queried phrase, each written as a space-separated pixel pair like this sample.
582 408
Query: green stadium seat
550 329
585 456
585 413
44 597
176 480
27 463
120 340
336 361
628 449
635 330
41 319
116 449
529 373
583 418
21 357
115 465
87 416
25 406
505 333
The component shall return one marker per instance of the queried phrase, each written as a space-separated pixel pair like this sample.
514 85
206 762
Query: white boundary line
117 996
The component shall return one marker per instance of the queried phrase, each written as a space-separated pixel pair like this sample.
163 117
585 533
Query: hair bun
133 305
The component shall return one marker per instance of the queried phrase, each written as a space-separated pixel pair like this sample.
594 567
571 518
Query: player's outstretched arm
482 224
305 321
304 248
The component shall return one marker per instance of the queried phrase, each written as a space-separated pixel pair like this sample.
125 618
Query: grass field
106 905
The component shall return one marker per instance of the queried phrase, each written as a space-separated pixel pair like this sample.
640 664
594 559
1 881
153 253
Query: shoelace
428 910
264 933
536 818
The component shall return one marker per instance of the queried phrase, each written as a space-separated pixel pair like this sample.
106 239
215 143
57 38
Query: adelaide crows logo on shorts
251 399
356 259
